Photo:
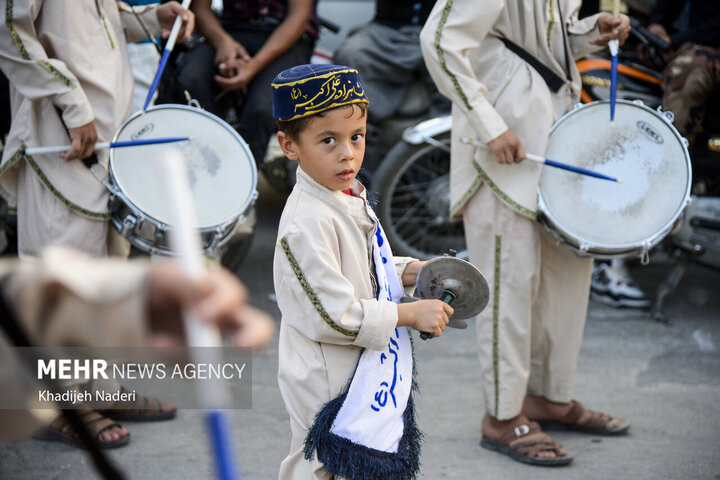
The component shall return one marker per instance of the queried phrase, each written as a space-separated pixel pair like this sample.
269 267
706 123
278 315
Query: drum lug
159 234
668 116
638 102
128 226
645 255
212 249
577 105
685 142
584 247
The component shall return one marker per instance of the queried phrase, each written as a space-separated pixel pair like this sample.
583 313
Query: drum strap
552 79
89 161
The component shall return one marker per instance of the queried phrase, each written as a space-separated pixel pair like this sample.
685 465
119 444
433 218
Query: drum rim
625 248
225 222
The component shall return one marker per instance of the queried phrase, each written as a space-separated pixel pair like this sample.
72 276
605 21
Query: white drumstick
185 241
169 45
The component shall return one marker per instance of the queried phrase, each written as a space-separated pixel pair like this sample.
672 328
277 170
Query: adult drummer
70 81
529 336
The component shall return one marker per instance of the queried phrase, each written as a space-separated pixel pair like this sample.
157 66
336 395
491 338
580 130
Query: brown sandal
581 419
60 430
525 442
141 409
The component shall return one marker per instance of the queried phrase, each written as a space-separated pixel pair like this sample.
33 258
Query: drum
605 219
223 177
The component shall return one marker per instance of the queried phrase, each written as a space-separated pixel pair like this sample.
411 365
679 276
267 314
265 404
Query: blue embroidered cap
306 90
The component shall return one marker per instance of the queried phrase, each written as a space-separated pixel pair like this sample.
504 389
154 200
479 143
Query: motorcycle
413 178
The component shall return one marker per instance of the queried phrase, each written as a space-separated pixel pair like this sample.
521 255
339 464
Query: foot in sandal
572 416
107 433
139 409
522 440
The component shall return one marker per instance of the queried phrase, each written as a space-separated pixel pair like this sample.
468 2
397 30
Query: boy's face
331 148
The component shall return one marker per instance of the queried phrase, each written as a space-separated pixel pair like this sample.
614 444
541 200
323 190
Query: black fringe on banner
353 461
343 457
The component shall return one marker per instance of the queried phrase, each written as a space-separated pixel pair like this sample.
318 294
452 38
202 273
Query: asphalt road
666 380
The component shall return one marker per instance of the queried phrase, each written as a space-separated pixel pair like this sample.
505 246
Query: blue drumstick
165 56
614 49
546 161
105 145
613 78
570 168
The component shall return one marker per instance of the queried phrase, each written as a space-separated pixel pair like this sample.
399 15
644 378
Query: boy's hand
431 316
409 276
507 148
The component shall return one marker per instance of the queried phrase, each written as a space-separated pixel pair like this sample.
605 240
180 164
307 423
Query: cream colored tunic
66 298
326 293
471 66
70 55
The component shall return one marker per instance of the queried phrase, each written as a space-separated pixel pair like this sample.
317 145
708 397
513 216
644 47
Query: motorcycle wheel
413 182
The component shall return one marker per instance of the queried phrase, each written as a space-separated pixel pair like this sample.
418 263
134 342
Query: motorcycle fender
427 129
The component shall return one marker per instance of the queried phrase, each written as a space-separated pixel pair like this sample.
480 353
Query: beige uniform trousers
530 333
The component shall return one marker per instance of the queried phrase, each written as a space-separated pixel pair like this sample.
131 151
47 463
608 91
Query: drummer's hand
242 73
168 12
409 275
217 298
507 148
431 316
612 28
82 142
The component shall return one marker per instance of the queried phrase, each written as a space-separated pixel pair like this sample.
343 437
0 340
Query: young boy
345 366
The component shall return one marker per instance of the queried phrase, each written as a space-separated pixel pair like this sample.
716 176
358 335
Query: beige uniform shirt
69 55
326 293
493 89
66 298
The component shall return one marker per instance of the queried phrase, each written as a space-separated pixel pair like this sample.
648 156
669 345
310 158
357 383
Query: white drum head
642 149
222 171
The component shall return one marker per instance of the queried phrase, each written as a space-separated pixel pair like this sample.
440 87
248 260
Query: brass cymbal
461 279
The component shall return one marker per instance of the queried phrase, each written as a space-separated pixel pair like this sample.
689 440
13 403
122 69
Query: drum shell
148 232
564 232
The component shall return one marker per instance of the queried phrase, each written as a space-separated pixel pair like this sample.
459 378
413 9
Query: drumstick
548 162
185 242
614 49
106 145
169 45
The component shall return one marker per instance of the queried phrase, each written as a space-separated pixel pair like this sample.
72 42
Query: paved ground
665 379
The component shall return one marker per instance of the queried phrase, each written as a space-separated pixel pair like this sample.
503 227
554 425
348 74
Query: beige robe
66 298
326 293
70 55
529 336
472 67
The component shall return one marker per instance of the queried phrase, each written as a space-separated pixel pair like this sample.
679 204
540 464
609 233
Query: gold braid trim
24 53
503 196
496 320
469 193
441 54
312 296
551 21
107 31
326 75
43 178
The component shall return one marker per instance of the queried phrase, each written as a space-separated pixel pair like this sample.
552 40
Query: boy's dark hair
294 128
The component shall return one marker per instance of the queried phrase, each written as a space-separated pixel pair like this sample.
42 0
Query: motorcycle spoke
412 186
